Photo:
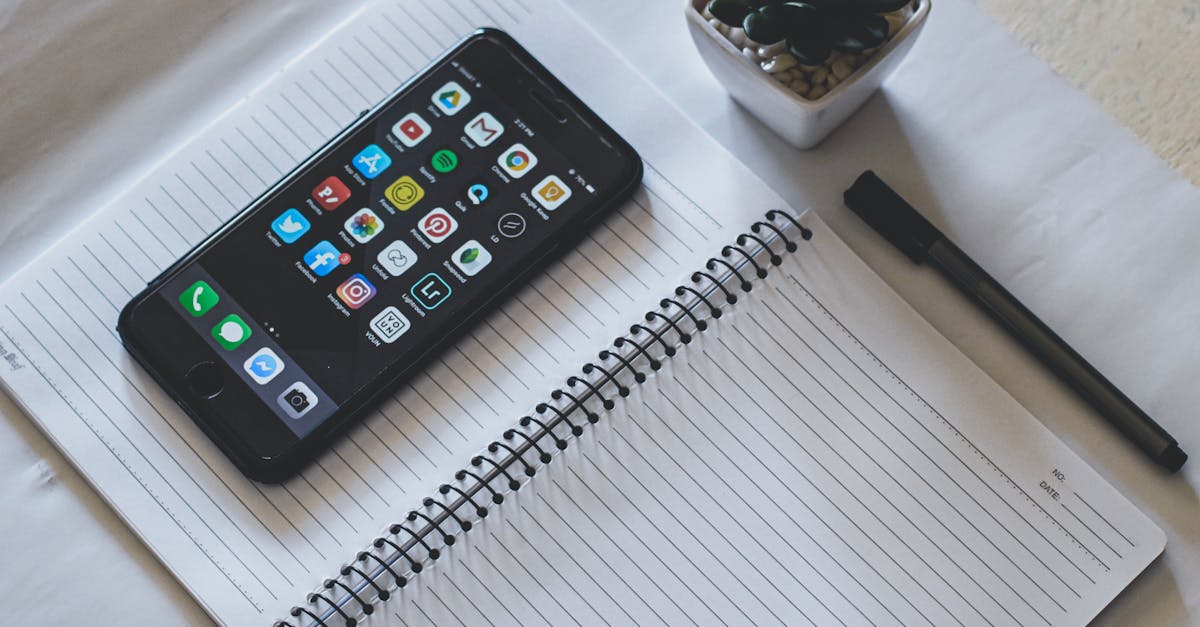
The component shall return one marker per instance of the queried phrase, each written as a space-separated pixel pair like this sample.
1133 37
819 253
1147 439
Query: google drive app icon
451 98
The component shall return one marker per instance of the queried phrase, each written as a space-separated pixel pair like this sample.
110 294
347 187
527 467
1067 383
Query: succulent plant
812 28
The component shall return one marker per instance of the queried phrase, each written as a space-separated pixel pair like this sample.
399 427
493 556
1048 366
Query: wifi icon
444 161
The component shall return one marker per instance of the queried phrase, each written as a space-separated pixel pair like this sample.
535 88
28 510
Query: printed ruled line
1092 531
124 464
504 576
740 551
808 480
129 440
914 473
872 483
747 507
647 548
974 449
1103 519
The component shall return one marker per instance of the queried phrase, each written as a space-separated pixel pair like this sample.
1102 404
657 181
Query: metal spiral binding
393 559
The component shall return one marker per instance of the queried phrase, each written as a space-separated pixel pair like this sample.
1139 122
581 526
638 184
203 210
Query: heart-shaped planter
802 105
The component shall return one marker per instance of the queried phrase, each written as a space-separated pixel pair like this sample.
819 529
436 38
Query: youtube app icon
411 130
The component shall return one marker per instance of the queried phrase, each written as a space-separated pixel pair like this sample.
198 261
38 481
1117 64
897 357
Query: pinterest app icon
437 225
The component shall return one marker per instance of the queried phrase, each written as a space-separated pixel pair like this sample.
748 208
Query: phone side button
205 379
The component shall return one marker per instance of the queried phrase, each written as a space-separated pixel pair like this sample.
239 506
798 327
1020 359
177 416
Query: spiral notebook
772 437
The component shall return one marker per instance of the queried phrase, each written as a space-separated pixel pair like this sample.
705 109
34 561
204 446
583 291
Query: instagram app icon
356 291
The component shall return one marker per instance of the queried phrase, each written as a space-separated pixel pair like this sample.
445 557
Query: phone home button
205 379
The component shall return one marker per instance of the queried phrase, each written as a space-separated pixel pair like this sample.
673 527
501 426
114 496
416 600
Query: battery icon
591 189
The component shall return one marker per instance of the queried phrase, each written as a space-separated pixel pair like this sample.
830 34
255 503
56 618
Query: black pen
897 221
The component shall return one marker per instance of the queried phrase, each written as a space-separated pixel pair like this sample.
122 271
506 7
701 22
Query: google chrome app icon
517 161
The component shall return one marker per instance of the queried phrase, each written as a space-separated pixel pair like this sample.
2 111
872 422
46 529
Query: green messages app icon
199 299
231 332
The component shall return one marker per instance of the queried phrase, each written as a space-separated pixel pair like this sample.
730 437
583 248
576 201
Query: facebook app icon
323 258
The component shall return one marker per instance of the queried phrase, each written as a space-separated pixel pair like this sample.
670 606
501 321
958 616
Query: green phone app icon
199 299
231 332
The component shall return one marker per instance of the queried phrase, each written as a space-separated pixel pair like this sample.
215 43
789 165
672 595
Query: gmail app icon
484 129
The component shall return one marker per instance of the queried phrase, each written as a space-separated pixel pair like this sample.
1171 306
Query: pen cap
891 216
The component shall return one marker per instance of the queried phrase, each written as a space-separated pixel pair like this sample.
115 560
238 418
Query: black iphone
283 328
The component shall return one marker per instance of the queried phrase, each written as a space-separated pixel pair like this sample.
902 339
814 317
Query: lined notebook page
821 456
246 551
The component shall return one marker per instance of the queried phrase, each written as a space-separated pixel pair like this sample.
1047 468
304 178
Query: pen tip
1173 458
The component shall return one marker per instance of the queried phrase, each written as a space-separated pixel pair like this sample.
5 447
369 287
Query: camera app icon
356 291
297 400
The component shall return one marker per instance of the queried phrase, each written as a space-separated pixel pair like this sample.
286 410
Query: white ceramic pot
800 121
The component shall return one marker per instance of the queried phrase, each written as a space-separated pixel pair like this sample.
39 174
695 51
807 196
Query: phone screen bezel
252 435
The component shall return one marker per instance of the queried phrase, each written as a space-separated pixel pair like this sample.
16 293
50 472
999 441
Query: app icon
404 193
290 226
356 291
364 226
430 291
297 400
478 193
517 161
325 258
263 366
331 193
511 225
372 161
231 332
390 324
451 98
437 225
199 299
397 258
444 161
471 258
484 129
551 193
411 129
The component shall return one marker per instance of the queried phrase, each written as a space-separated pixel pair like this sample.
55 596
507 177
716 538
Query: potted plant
803 66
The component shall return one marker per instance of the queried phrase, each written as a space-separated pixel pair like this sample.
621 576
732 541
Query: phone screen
383 243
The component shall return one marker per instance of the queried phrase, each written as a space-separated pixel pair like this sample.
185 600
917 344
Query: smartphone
285 327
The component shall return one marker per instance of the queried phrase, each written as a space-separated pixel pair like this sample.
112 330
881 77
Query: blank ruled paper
820 456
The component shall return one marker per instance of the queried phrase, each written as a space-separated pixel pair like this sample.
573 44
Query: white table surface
80 80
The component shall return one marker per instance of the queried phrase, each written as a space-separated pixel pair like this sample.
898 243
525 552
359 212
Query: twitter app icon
290 226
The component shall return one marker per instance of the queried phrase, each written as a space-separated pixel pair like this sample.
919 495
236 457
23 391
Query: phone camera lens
297 400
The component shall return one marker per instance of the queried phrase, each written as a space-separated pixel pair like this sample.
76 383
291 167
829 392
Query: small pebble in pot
781 63
737 36
772 50
842 68
820 75
749 53
895 21
817 92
